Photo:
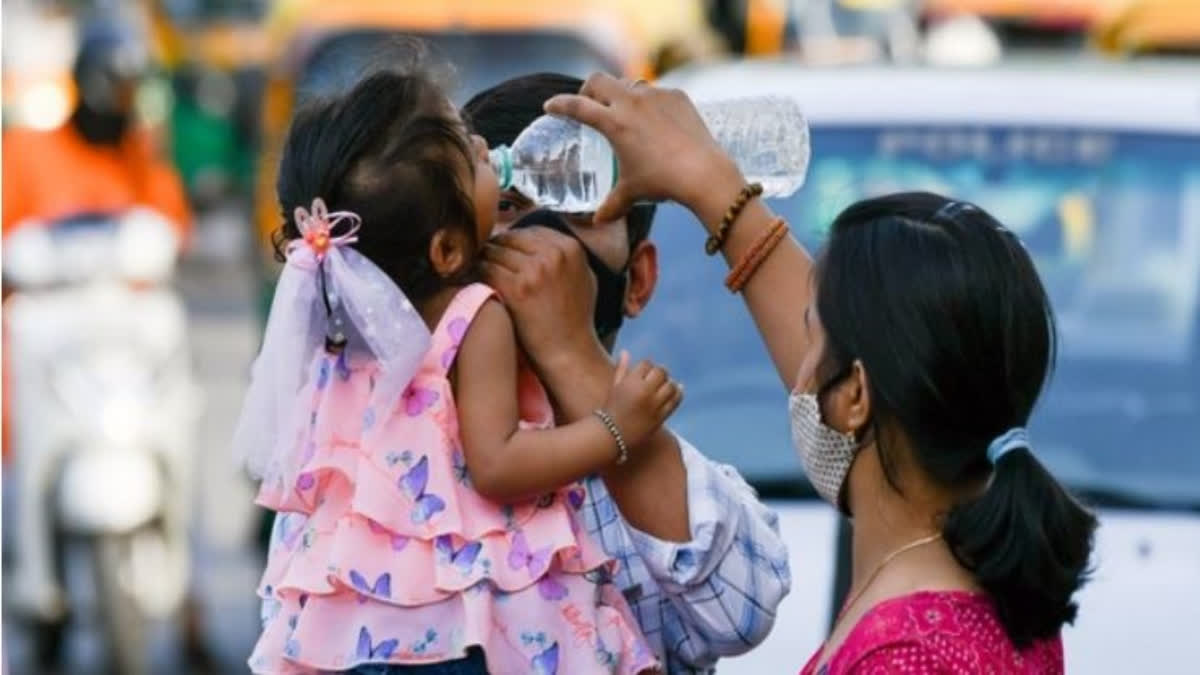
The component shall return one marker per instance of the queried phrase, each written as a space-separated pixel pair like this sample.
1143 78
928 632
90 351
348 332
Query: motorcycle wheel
122 620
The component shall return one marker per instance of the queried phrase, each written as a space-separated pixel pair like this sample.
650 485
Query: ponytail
1027 541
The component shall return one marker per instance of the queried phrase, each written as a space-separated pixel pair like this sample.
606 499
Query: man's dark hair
501 113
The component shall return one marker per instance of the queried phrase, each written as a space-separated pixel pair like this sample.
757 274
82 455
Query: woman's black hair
391 150
943 307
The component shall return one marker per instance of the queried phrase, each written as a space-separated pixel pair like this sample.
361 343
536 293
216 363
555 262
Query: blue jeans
473 664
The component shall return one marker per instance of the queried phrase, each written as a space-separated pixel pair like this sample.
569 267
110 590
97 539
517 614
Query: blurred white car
1098 169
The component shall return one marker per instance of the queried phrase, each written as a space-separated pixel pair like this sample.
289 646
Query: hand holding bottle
665 147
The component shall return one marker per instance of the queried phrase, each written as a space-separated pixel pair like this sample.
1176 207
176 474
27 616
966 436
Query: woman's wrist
717 187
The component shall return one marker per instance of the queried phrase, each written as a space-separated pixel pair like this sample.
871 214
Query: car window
1112 220
198 11
341 60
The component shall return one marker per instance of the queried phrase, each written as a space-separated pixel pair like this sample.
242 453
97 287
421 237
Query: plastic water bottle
566 166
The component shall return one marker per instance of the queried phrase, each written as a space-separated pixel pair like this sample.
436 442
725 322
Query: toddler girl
427 504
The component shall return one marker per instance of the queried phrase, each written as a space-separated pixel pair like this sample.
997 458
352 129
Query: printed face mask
825 452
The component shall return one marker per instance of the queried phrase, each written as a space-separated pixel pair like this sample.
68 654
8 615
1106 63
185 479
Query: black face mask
610 285
101 128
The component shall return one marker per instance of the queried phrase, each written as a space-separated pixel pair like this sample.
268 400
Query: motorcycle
104 413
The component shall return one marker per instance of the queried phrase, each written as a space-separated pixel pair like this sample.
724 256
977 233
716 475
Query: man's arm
703 536
715 594
722 562
650 490
544 280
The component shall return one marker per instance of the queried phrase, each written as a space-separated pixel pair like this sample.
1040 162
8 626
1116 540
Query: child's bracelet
611 425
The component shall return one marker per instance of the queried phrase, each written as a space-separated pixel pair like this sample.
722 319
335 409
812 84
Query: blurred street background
1077 122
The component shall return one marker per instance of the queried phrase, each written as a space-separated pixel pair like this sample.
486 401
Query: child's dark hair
946 312
390 149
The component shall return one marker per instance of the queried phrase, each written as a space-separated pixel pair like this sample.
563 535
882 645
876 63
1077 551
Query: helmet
111 61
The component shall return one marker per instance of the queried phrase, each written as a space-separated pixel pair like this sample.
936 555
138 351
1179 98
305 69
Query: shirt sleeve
727 581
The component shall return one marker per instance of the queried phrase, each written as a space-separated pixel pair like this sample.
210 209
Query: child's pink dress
936 633
385 554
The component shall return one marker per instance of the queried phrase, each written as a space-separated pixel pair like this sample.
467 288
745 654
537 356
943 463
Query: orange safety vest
53 174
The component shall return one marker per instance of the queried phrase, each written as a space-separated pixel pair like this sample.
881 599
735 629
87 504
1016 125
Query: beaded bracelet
742 272
611 425
716 241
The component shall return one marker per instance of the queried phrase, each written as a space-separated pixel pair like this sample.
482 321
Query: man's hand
543 277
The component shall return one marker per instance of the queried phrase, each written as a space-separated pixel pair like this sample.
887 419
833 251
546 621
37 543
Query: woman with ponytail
915 347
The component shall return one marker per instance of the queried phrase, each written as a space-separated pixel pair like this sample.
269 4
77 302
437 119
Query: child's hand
641 399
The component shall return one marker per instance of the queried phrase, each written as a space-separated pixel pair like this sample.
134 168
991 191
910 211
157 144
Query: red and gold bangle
756 255
716 241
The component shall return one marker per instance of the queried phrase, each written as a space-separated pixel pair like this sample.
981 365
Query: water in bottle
563 165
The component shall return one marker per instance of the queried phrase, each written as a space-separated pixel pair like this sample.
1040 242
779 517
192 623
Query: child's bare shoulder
491 330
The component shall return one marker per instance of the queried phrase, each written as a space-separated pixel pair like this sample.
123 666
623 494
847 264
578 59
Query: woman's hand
663 148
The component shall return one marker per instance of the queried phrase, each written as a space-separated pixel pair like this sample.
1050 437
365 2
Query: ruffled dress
383 553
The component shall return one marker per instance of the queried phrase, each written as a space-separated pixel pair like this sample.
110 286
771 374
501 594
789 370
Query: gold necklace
879 568
863 589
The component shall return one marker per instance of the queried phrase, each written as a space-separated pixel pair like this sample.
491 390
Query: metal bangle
611 425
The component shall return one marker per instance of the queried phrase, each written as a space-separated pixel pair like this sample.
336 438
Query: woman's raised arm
665 152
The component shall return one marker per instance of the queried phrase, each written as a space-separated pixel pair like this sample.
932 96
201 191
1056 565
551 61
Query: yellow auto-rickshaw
214 54
1065 15
318 47
1150 26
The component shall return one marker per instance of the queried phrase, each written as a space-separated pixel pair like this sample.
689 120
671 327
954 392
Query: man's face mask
610 285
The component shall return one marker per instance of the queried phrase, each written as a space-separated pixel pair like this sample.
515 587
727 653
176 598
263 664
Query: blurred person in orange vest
99 160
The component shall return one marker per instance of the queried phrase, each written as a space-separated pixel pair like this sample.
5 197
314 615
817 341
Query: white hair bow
324 283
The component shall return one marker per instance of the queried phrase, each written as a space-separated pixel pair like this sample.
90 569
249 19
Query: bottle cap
501 161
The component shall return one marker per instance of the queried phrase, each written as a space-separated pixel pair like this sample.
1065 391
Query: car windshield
198 11
340 59
1112 220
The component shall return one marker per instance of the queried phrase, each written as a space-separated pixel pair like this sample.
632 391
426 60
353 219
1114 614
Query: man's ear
643 277
448 251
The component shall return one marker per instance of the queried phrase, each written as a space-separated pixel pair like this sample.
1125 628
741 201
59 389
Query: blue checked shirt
706 598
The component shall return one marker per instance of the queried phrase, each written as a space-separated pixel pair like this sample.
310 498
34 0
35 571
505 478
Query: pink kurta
939 632
385 554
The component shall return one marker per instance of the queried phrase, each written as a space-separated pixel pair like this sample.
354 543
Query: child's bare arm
507 464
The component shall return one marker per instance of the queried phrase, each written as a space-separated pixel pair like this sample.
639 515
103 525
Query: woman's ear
848 404
858 398
643 277
448 251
